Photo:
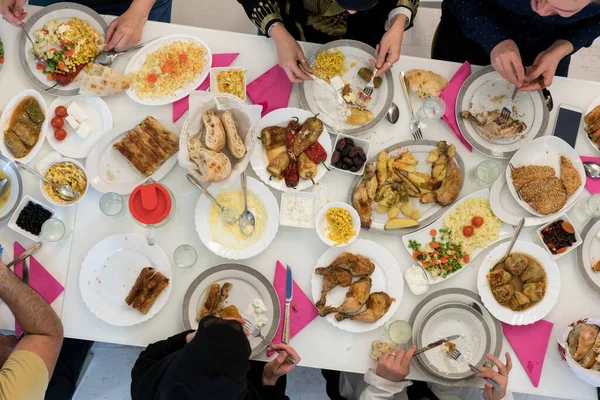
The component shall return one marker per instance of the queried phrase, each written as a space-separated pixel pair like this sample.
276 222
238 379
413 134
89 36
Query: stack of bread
584 345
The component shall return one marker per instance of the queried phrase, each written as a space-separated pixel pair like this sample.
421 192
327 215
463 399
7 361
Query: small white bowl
286 208
362 143
214 87
12 223
321 224
573 246
48 198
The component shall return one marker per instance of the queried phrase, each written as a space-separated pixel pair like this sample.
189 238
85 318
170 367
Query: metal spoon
228 214
65 192
592 169
247 218
393 114
512 242
3 186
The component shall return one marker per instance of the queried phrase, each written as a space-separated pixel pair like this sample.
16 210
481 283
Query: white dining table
320 344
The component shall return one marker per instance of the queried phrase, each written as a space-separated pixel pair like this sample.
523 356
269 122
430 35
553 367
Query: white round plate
270 212
546 151
386 278
139 59
5 121
541 308
595 103
422 236
508 209
11 170
109 271
259 161
62 12
99 117
109 171
589 253
248 285
486 90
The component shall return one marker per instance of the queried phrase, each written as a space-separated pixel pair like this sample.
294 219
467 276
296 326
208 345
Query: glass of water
399 331
433 109
589 207
53 230
185 256
485 173
111 204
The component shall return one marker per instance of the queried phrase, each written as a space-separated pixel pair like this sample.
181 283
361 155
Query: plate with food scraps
446 248
271 154
481 99
528 293
249 291
22 128
539 170
588 255
10 199
2 56
592 127
110 171
157 81
85 121
109 272
378 282
228 240
51 28
319 99
412 165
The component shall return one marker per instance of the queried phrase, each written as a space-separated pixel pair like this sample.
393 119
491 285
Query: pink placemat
40 280
592 185
218 60
270 90
530 343
449 95
306 310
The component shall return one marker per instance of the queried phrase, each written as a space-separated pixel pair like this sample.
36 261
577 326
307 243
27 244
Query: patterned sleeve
413 6
263 13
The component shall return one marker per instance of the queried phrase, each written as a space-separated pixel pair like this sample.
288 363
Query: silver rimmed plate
459 299
60 12
595 103
589 253
14 193
248 285
430 212
486 90
316 99
474 341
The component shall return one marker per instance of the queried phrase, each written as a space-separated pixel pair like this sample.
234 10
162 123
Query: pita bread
379 348
102 81
212 166
425 83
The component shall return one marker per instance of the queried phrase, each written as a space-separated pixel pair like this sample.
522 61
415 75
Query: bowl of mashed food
64 171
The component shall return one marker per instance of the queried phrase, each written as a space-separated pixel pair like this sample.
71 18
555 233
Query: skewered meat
493 126
356 297
378 304
356 264
332 278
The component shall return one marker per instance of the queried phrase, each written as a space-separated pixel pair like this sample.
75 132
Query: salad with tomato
440 256
1 53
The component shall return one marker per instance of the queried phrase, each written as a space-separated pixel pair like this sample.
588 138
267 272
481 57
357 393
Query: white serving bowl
12 223
214 87
321 224
362 143
587 375
578 240
81 196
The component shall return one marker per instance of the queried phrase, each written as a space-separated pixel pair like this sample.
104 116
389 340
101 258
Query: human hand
289 54
279 366
490 393
395 365
506 59
544 66
12 11
7 345
126 30
387 51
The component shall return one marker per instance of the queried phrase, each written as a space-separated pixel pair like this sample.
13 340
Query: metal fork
413 125
107 58
371 85
38 58
254 331
507 109
455 355
512 169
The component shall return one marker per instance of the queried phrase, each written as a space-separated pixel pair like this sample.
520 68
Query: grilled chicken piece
356 297
332 278
363 204
378 304
493 126
356 264
450 188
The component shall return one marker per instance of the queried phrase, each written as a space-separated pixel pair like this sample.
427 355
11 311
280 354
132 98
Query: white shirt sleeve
378 388
394 13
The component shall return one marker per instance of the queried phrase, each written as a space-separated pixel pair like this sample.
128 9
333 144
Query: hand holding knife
436 344
289 293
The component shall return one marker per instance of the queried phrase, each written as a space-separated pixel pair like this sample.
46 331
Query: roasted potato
381 168
407 158
422 181
404 167
406 208
439 171
410 187
393 211
433 156
400 223
451 151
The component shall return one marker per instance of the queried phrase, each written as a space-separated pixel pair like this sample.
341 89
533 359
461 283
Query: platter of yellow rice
168 69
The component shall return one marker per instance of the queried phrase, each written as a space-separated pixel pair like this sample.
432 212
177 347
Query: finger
115 39
381 55
499 67
305 64
489 373
529 87
399 357
508 362
11 18
290 350
405 364
298 72
501 367
17 10
372 62
517 65
509 72
112 28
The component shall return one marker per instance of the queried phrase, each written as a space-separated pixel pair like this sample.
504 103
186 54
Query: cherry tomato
69 53
60 134
467 258
151 78
57 122
433 232
183 57
50 76
40 67
61 111
468 231
1 59
477 222
168 67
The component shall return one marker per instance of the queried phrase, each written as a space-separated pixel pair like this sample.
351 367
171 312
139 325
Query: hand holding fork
254 331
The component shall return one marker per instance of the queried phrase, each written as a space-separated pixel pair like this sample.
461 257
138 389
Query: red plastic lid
150 204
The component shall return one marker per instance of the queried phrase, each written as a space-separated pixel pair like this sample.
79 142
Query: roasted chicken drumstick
332 278
356 264
378 304
356 297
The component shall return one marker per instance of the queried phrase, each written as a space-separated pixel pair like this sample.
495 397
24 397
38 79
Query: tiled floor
108 377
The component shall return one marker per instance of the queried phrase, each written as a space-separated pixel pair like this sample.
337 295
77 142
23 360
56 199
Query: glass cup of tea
399 331
484 174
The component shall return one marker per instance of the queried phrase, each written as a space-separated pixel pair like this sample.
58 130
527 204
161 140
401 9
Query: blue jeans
161 11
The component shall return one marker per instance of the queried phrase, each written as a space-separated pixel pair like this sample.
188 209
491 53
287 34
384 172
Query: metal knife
289 293
25 254
436 344
25 273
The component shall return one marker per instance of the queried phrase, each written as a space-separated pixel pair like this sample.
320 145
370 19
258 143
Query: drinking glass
111 204
484 174
399 331
53 230
185 256
433 109
589 207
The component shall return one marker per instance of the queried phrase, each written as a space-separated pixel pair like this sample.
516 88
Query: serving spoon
228 214
512 242
592 169
65 192
247 221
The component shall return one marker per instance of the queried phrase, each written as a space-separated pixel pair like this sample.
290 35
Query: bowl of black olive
29 217
350 154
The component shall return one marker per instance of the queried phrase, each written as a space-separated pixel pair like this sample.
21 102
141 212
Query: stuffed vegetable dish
24 127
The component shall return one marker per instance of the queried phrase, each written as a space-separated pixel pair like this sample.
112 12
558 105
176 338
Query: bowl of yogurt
417 281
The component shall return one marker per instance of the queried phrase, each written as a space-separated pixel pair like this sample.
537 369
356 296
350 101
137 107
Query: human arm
388 379
12 11
126 30
501 376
